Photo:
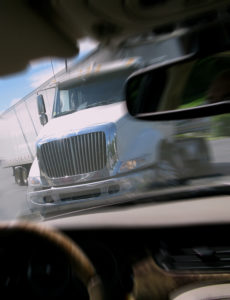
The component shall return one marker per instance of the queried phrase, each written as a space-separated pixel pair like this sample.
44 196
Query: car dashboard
156 263
123 256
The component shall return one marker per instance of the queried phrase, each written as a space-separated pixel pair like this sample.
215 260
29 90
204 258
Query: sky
17 86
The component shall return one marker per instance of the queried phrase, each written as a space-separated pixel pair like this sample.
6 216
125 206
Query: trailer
19 128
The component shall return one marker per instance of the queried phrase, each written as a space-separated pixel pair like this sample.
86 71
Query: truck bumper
89 195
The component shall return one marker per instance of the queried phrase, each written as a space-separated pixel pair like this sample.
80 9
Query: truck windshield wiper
65 113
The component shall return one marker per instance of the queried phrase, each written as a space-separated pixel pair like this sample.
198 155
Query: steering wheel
82 266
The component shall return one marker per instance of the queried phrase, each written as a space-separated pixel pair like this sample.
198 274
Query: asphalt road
13 202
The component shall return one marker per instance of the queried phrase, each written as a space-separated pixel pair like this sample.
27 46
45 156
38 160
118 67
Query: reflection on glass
181 85
208 82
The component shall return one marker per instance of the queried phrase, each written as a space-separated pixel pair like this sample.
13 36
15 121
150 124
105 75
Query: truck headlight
34 183
132 164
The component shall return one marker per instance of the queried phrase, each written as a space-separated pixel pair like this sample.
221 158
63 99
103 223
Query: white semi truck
91 148
93 153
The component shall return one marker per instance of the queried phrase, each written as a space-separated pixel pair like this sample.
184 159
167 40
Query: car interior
170 245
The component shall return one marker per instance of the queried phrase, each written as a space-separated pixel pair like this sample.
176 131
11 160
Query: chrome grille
74 155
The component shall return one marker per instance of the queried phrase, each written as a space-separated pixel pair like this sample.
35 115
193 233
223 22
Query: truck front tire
21 175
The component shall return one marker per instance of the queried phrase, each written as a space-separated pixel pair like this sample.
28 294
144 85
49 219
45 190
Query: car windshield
69 145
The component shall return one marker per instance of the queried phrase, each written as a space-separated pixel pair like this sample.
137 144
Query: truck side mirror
42 110
41 105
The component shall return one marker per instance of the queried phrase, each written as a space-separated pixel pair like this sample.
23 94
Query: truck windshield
102 91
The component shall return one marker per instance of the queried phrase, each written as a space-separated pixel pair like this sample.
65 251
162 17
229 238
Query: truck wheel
18 175
21 175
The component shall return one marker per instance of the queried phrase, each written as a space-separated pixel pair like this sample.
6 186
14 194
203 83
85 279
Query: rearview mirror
184 88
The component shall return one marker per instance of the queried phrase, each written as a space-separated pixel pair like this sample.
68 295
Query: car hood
82 119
